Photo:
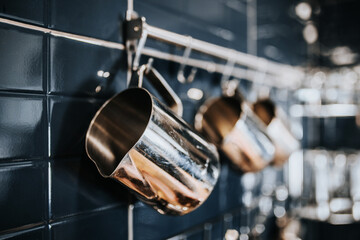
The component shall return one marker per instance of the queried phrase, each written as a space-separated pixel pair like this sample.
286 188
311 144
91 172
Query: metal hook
230 87
259 89
139 49
133 31
228 68
180 76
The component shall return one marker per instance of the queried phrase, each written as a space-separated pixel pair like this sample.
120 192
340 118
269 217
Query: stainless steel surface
282 71
159 83
138 141
248 74
231 125
330 186
284 141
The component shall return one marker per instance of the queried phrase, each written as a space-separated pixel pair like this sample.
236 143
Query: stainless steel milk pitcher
138 141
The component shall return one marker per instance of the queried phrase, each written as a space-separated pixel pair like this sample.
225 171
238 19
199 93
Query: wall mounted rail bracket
133 29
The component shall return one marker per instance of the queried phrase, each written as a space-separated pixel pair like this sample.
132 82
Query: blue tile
177 7
22 126
233 189
79 69
23 194
214 14
29 11
95 18
228 222
238 27
216 231
21 62
106 225
77 186
312 128
37 233
69 120
149 224
155 16
196 234
183 25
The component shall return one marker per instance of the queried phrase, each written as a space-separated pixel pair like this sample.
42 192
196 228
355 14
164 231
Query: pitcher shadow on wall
87 190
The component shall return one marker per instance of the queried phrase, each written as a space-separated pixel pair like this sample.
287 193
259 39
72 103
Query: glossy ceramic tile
278 31
184 25
23 194
331 133
148 223
314 230
77 186
217 231
29 11
214 14
69 120
108 224
21 62
234 189
37 233
95 18
176 7
312 128
195 235
22 126
85 69
344 134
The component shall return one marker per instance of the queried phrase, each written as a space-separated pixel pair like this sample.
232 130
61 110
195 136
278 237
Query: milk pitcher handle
160 84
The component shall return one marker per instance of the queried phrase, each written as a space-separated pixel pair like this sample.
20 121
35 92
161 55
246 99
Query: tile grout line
76 37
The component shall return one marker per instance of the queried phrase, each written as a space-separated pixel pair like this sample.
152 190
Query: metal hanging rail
201 64
237 72
277 74
291 75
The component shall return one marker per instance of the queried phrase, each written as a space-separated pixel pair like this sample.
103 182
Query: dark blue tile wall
50 87
37 233
22 126
68 120
280 32
74 68
95 18
22 61
23 197
77 188
106 224
27 11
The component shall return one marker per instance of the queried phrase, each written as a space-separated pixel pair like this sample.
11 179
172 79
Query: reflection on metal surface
230 124
231 234
331 186
139 142
296 174
325 111
285 143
